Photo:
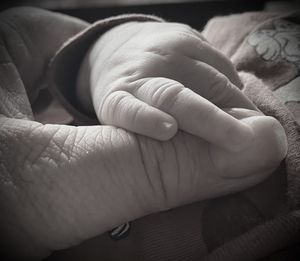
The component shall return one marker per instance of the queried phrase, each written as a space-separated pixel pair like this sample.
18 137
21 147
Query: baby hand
153 78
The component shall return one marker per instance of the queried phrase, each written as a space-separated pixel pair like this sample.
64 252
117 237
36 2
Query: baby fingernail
167 125
167 129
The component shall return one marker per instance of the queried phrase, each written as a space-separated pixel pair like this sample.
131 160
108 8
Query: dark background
192 12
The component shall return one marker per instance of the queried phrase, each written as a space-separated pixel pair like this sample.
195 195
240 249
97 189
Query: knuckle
219 88
110 106
172 42
135 116
167 93
186 28
209 115
182 40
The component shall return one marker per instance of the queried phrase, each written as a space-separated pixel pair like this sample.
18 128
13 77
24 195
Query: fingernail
167 125
167 130
240 137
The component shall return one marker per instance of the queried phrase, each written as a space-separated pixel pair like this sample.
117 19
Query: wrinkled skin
60 185
161 77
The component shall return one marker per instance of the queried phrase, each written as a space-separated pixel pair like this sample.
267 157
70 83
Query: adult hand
158 77
63 184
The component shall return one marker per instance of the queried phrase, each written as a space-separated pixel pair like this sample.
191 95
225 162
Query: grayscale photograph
150 130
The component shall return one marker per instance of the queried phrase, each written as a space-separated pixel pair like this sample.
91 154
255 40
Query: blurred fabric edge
273 5
65 4
57 4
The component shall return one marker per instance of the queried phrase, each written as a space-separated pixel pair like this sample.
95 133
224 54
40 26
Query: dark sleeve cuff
65 64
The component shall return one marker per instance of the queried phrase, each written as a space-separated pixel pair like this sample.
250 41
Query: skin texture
60 185
161 77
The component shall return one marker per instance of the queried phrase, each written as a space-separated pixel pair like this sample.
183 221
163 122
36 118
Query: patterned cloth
274 49
281 44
